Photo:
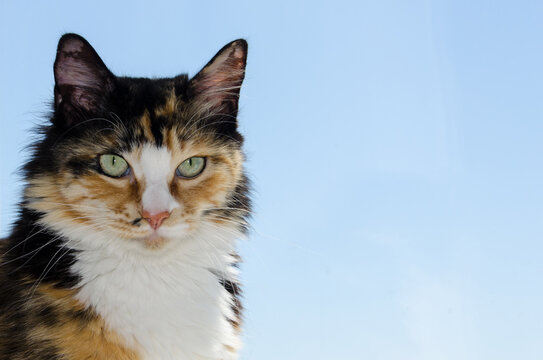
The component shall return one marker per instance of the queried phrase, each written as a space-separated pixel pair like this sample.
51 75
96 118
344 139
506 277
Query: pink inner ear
78 65
72 45
81 76
73 70
227 62
78 96
221 79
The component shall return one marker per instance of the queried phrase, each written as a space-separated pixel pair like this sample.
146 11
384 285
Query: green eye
191 167
114 165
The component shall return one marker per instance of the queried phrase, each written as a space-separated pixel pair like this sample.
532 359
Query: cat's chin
160 238
154 241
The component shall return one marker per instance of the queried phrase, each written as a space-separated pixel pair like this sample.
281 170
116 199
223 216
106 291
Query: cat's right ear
82 81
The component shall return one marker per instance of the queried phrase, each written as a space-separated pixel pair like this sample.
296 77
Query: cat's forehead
161 115
154 163
156 122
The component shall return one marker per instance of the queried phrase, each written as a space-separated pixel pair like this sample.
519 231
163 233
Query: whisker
28 237
191 122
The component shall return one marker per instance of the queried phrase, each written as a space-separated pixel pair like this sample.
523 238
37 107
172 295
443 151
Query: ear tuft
218 84
82 81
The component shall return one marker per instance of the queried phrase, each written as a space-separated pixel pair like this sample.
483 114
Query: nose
155 220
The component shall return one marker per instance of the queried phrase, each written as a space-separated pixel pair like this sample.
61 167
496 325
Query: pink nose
155 220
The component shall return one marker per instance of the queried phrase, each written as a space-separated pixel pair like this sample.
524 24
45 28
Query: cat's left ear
218 84
82 80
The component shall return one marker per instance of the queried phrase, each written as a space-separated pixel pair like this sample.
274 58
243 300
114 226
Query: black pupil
190 162
113 160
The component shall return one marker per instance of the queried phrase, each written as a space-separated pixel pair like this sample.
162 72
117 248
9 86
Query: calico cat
135 196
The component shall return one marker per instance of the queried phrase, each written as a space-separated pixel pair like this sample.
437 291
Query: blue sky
395 149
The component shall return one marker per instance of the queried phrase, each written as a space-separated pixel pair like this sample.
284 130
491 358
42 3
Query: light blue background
396 153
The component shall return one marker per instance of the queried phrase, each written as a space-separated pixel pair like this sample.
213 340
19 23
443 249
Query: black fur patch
234 290
35 252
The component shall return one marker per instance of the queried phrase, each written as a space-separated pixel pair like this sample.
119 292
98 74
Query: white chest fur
169 305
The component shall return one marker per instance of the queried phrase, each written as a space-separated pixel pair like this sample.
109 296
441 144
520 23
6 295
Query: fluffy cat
134 198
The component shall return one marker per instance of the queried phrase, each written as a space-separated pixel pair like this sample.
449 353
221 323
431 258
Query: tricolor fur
83 274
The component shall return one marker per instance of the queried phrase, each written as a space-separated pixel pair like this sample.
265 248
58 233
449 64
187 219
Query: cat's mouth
155 238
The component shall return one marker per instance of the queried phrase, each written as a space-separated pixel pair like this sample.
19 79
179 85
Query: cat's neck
171 304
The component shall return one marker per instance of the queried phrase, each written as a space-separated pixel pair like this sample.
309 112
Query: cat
135 196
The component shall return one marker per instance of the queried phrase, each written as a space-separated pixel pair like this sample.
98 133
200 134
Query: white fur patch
155 167
167 303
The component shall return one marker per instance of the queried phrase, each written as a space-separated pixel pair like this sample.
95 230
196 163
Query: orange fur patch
77 337
145 126
170 107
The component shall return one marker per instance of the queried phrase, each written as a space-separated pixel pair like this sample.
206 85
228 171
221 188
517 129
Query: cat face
143 161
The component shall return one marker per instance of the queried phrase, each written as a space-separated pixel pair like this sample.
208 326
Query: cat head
136 160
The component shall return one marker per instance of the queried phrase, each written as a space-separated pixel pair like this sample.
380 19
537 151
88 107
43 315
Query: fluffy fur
83 274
